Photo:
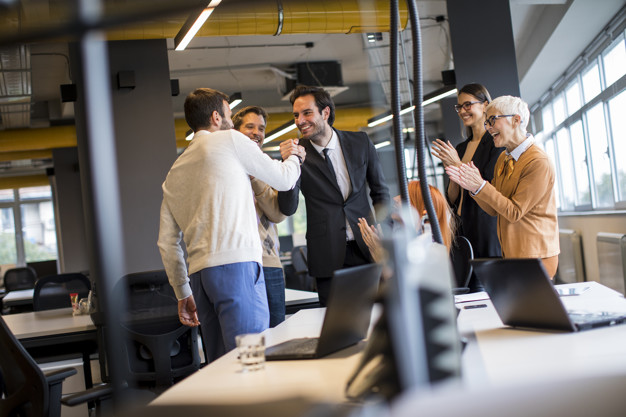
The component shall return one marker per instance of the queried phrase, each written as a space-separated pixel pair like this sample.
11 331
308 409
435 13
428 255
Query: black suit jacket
476 225
325 208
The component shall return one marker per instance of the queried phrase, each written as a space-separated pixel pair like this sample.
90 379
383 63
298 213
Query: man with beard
334 181
251 121
207 201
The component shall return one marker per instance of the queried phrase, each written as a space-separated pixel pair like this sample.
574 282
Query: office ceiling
258 66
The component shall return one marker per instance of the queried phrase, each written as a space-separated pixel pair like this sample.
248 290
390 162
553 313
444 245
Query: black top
476 225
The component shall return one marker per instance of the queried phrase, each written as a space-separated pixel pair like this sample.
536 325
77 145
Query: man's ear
216 119
326 112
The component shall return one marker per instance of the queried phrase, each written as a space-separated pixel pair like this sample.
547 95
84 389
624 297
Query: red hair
444 213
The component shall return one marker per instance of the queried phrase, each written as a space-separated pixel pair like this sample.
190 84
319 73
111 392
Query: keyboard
296 348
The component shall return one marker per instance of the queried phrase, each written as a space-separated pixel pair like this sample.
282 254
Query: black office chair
299 262
53 291
22 278
460 254
160 350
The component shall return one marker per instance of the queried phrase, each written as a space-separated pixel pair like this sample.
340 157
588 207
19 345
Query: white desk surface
19 295
222 382
496 358
294 297
47 323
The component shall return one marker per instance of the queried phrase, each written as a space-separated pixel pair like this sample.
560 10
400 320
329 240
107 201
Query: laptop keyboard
304 346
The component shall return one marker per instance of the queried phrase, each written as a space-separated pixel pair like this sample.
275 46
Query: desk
18 298
513 370
296 300
43 333
221 382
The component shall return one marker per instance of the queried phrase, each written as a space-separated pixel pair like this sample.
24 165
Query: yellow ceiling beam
7 183
20 155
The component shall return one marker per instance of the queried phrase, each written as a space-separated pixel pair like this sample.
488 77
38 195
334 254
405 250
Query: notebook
347 317
523 296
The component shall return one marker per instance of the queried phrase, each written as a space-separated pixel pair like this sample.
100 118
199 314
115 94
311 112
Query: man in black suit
334 181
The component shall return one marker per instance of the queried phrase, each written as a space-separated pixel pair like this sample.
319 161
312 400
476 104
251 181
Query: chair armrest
59 375
92 394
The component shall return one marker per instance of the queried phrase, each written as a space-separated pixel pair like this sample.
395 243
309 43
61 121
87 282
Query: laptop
523 296
347 317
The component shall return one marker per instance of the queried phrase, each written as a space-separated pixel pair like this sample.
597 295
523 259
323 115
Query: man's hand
301 153
187 313
290 147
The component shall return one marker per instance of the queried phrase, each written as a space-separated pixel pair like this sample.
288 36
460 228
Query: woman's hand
466 175
371 237
445 152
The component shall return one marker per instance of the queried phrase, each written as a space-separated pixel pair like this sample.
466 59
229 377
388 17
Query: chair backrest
299 259
160 349
461 254
25 390
54 291
22 278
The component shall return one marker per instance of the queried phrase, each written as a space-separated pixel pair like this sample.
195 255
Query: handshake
291 147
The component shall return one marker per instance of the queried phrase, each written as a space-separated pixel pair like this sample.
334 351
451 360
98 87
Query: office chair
22 278
460 254
53 291
299 262
159 349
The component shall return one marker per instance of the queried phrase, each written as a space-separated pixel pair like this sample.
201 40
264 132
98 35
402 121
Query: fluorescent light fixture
428 99
189 135
272 149
279 131
235 100
193 24
382 144
438 97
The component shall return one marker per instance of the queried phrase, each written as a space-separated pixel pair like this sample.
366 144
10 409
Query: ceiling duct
15 86
325 74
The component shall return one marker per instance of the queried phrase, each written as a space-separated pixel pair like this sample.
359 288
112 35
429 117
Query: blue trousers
231 300
275 287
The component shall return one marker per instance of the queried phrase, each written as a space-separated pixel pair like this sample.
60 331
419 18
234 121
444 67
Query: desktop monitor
415 343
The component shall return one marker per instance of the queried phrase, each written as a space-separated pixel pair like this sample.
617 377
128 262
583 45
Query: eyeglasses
465 106
492 120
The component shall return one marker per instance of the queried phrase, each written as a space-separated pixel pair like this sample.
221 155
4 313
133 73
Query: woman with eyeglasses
476 225
521 193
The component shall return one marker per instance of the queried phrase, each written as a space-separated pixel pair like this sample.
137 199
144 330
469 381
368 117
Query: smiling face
310 122
504 130
475 116
253 126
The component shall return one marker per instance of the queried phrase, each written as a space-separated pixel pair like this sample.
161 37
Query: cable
418 115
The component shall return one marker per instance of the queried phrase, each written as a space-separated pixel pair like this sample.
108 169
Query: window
558 108
548 146
617 110
572 97
28 231
614 62
567 169
591 83
600 159
546 116
581 170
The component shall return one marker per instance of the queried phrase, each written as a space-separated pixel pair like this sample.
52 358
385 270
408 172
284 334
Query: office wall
146 146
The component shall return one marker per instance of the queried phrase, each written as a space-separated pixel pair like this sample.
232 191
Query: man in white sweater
208 202
251 121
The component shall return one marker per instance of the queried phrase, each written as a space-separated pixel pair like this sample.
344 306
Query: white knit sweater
208 201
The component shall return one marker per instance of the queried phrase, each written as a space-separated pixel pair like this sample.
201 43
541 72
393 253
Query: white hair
512 105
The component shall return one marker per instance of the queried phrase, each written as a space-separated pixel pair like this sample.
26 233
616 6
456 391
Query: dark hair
321 96
480 92
238 117
200 105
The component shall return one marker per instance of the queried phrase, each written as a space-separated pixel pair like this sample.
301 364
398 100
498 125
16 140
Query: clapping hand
466 175
371 237
445 152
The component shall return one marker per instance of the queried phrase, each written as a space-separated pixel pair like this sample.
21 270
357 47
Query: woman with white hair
521 193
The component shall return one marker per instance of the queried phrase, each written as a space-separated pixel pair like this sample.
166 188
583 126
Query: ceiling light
193 24
235 100
428 99
189 135
382 144
279 131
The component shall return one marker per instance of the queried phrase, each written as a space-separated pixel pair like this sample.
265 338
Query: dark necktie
329 163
